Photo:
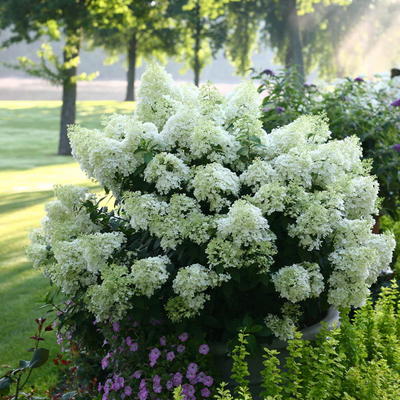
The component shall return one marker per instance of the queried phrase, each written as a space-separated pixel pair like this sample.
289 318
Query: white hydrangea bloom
167 172
270 197
183 220
191 282
298 134
98 247
38 250
299 282
259 173
156 96
335 160
360 196
212 182
149 274
66 218
244 224
110 300
212 143
283 328
178 130
143 209
212 103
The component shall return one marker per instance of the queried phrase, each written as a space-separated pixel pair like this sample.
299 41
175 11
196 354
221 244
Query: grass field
29 167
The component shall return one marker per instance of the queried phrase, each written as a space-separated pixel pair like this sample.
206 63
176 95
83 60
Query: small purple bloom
137 374
99 387
143 393
153 356
128 390
183 337
105 396
208 381
193 367
201 376
396 147
268 72
163 341
181 348
205 392
396 103
170 356
204 349
134 347
157 388
116 326
358 79
128 341
177 379
104 361
188 389
279 110
169 385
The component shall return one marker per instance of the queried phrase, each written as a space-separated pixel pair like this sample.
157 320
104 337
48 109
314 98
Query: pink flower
204 349
183 337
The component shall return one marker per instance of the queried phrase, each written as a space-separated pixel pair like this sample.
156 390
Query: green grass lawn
29 167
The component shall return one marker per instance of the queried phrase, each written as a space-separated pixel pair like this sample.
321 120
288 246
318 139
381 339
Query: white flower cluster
195 172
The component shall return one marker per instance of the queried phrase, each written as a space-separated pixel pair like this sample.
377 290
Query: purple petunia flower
205 392
104 397
279 110
170 356
157 388
358 79
163 341
181 348
396 147
396 103
193 367
99 387
183 337
153 356
134 347
208 381
116 326
204 349
188 389
128 390
104 362
177 379
169 385
137 374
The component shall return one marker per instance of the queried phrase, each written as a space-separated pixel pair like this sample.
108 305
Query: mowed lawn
29 167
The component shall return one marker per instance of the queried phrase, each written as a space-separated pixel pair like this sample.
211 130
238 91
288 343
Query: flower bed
210 224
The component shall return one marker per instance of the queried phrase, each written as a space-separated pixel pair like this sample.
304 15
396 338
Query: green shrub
360 360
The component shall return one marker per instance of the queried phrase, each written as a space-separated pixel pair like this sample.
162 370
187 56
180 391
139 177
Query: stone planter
223 363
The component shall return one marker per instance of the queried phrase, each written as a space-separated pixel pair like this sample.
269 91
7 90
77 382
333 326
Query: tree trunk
197 44
68 108
131 74
294 53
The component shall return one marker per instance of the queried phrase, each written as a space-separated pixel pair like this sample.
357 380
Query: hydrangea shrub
215 220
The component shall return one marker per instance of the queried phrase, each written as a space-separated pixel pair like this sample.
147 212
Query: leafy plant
16 379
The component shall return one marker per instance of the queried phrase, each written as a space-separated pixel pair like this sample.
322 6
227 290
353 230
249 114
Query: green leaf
40 357
147 157
5 384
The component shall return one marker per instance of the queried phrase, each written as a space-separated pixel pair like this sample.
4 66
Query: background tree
282 28
200 27
67 19
147 33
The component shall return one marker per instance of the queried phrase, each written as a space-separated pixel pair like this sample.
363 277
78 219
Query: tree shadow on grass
17 201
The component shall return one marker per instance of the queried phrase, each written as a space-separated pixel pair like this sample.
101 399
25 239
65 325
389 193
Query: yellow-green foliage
358 361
